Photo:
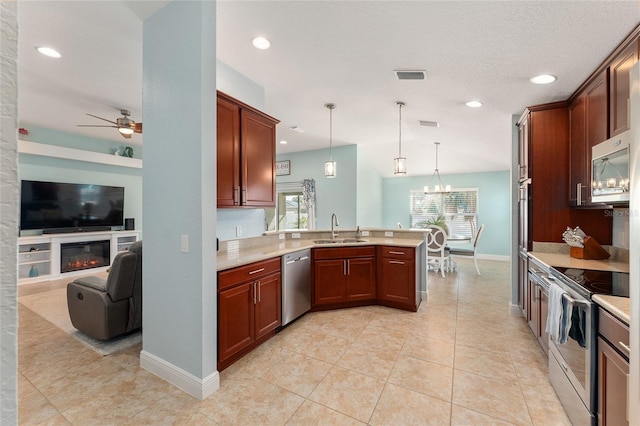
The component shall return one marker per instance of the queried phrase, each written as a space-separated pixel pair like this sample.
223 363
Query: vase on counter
33 272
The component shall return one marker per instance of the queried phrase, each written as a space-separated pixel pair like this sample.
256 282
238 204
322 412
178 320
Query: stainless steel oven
572 363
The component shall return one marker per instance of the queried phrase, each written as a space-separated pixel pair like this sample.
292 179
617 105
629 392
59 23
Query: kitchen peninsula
382 268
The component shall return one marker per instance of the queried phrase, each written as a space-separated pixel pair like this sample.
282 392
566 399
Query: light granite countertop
566 261
618 306
243 256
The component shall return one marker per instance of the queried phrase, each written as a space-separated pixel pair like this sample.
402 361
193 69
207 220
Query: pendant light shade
330 166
400 163
436 180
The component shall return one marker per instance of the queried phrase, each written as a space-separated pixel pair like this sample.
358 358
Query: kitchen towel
558 315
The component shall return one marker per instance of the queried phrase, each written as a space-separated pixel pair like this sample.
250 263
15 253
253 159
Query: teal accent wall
494 209
35 167
337 195
369 193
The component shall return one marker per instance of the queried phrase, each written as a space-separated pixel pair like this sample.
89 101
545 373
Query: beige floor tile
461 416
313 414
432 350
491 397
345 328
399 406
34 408
325 347
422 376
348 392
379 337
248 400
374 362
544 406
297 373
490 364
262 358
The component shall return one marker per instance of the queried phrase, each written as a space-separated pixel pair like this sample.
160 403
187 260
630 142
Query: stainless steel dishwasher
296 285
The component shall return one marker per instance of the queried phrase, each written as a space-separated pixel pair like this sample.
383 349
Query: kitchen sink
340 241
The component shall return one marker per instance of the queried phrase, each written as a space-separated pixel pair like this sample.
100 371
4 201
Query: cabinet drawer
343 252
400 253
615 331
238 275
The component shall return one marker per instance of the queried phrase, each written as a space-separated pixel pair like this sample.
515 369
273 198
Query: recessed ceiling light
48 51
261 43
283 142
543 79
474 104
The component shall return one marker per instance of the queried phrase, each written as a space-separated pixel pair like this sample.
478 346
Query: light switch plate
388 233
184 244
281 236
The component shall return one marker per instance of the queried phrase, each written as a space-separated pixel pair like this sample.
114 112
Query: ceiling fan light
48 51
125 130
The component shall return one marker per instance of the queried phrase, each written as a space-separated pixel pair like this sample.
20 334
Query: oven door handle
574 301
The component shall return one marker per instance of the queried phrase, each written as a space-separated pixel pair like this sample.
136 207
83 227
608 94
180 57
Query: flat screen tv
70 207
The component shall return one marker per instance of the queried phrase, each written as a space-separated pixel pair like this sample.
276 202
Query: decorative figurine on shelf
33 272
127 152
116 151
22 132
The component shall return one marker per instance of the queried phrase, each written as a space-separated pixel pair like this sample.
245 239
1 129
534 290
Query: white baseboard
515 311
424 296
194 386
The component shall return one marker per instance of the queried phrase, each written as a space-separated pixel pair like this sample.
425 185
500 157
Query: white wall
179 197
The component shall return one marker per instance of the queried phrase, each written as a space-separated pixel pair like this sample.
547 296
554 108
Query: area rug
52 306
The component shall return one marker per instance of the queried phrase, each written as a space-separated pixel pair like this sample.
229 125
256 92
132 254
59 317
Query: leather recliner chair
104 309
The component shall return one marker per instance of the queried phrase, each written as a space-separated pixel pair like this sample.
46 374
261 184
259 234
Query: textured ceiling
342 52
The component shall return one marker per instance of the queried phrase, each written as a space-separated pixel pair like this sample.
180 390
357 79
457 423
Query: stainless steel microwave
610 170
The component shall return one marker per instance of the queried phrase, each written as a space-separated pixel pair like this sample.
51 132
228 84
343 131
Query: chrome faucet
334 220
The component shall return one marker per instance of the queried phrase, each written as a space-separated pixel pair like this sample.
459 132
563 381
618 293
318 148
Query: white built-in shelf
46 150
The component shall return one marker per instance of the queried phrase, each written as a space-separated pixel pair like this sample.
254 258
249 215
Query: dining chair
470 252
437 250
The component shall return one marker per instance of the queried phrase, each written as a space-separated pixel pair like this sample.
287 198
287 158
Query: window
295 207
458 209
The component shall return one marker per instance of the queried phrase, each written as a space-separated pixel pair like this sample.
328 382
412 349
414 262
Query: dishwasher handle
289 262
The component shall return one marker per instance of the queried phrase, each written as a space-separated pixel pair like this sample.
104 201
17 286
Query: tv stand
39 255
73 230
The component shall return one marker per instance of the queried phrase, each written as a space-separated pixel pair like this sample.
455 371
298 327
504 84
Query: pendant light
330 166
400 163
438 187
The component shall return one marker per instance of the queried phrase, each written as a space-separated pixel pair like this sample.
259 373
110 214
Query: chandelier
330 166
438 187
400 163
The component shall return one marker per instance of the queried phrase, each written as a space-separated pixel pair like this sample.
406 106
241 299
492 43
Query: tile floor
460 360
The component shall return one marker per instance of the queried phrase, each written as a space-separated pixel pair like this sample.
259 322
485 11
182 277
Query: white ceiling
342 52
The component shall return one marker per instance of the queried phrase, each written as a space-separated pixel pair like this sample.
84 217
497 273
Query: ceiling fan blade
100 118
126 136
94 125
138 128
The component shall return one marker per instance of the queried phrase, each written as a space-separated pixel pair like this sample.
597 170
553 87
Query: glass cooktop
598 282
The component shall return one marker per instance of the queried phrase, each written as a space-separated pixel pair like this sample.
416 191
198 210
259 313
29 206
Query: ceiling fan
124 124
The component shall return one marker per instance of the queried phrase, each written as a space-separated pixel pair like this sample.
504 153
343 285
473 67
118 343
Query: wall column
179 196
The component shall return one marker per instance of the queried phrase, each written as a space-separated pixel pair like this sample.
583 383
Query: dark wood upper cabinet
597 111
579 182
246 152
620 89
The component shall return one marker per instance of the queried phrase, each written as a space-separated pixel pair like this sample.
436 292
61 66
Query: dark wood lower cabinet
249 308
397 278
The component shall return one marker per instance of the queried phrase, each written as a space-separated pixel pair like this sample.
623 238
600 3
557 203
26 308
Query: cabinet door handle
244 195
256 271
396 252
396 262
579 194
344 267
236 196
259 292
348 267
625 348
254 292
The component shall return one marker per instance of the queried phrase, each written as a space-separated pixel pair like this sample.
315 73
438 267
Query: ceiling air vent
429 123
410 74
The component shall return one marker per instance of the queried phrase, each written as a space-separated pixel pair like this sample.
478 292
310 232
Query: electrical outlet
238 231
184 243
365 233
281 236
295 235
388 233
